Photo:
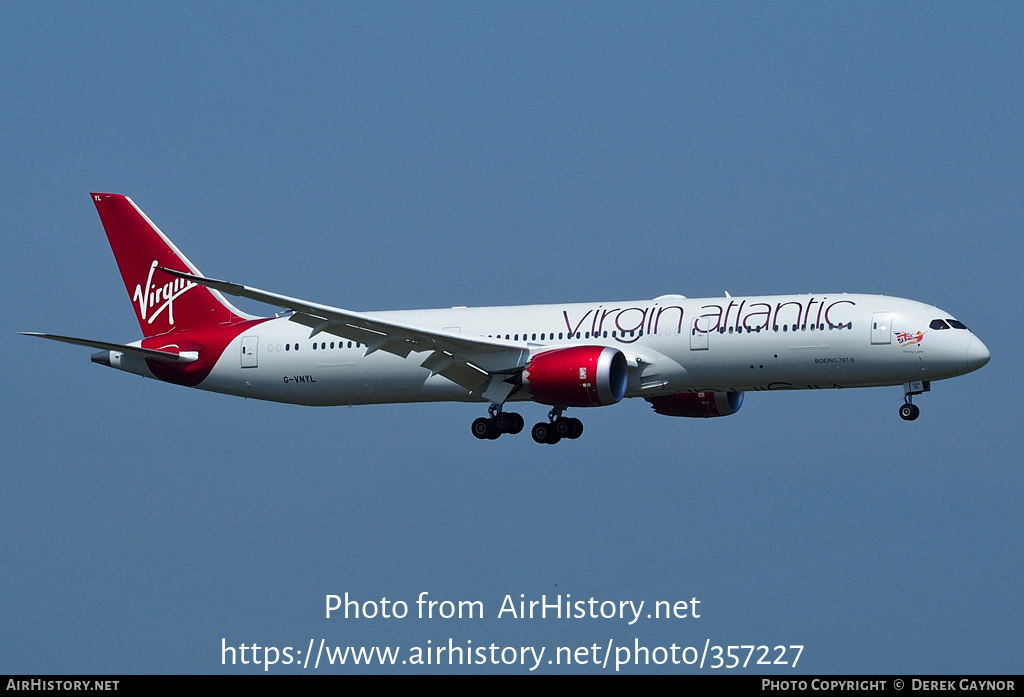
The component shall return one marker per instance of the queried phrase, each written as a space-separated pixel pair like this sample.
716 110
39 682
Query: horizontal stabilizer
153 354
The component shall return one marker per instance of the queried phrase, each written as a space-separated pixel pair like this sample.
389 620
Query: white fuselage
687 357
672 344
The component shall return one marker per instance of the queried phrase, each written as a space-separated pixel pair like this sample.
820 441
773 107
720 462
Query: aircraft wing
468 361
154 354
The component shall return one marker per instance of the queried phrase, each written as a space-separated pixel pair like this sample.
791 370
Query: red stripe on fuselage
209 342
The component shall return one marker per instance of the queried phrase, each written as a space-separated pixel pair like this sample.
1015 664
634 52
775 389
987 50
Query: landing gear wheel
509 422
577 428
518 423
570 428
484 428
909 412
503 422
545 433
562 427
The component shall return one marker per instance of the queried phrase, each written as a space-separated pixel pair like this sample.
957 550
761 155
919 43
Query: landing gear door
249 346
881 328
699 334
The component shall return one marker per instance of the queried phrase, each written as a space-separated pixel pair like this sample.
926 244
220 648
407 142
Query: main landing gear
908 410
551 431
497 423
557 428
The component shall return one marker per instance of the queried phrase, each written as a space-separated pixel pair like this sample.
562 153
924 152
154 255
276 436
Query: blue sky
396 155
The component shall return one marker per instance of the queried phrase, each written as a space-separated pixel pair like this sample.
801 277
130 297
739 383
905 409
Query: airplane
686 357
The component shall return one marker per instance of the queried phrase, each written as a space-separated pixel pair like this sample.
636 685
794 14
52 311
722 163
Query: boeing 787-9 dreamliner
690 357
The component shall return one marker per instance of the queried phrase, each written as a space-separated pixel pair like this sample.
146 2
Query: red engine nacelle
579 376
698 404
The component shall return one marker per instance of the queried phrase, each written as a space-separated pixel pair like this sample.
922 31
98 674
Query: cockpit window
938 324
956 324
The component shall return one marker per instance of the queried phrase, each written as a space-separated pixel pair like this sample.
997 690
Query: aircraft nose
977 354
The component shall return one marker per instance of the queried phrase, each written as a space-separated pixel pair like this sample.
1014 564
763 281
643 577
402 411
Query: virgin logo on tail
153 294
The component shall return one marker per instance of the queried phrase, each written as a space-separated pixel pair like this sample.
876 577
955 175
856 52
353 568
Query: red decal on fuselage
208 342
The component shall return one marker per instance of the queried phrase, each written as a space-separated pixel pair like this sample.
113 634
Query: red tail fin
162 303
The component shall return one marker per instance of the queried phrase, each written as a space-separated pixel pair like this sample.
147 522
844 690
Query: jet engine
578 376
698 404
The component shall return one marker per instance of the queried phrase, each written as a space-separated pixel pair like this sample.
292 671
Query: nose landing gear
908 410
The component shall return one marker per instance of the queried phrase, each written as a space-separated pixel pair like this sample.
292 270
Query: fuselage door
249 346
881 328
699 334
